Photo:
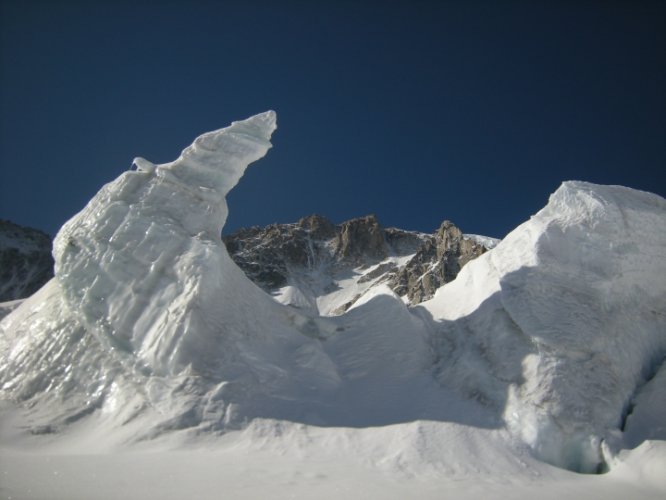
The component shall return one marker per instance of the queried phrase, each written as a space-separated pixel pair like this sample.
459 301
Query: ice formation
149 326
563 320
150 322
142 264
145 296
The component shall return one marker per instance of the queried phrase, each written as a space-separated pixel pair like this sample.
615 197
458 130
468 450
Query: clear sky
416 111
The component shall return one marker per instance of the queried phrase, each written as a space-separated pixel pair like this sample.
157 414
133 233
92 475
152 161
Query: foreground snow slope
293 461
149 333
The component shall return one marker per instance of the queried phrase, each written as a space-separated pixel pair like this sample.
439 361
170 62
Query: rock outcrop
356 252
438 261
25 261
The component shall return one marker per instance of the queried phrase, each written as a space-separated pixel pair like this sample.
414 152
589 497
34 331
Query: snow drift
149 326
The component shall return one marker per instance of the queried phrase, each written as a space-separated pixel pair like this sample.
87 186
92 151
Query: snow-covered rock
324 267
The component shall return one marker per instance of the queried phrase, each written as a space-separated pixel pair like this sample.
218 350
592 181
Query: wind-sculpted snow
149 327
563 320
141 265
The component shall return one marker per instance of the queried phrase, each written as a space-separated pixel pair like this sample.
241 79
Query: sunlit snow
151 367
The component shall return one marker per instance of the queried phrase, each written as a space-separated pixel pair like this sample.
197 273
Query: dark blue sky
416 111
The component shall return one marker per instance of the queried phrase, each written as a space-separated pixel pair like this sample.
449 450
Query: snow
322 290
486 241
9 306
151 367
567 314
306 462
647 414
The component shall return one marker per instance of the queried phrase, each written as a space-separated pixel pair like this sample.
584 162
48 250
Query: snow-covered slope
150 333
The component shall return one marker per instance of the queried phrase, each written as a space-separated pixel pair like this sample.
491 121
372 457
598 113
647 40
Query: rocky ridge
332 265
26 263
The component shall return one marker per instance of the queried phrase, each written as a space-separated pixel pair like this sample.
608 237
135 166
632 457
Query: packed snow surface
151 351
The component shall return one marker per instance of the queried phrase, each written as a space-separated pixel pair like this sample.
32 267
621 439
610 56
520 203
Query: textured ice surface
146 309
150 328
142 264
564 319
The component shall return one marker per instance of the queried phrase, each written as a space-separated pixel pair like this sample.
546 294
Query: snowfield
152 367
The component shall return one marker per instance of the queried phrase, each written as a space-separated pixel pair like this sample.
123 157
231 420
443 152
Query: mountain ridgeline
319 258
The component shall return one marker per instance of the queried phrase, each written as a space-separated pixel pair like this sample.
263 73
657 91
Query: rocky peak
448 237
320 258
437 262
360 238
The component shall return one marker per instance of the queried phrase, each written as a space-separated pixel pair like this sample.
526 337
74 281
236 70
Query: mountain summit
325 268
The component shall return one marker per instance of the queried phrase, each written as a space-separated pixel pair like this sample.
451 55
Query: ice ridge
137 262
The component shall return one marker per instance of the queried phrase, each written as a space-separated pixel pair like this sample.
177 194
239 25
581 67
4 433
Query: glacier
564 319
548 345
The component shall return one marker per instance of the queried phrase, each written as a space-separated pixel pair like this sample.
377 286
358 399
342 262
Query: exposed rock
360 239
321 259
267 255
318 227
26 263
404 242
438 261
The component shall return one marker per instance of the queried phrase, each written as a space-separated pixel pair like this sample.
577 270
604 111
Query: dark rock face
26 263
360 239
438 261
319 228
282 254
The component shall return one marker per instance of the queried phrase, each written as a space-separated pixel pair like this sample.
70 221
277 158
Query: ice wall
141 265
148 319
563 320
